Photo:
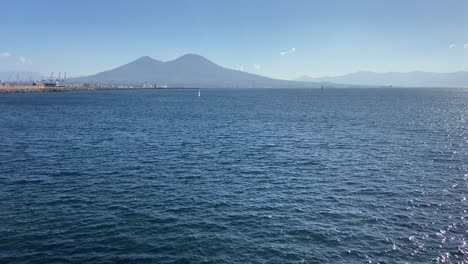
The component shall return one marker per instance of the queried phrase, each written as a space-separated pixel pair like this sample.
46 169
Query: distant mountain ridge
408 79
190 70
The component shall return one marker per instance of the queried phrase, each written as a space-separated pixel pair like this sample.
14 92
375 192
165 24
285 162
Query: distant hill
409 79
12 76
187 71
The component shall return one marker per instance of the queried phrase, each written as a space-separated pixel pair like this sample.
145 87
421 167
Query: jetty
39 89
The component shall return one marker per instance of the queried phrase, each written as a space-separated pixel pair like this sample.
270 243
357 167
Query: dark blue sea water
235 176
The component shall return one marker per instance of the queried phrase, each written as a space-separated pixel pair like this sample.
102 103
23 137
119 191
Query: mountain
190 70
12 76
409 79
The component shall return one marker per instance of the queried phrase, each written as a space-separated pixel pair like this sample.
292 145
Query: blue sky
282 39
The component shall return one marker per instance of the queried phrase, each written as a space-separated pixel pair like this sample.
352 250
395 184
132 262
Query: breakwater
38 89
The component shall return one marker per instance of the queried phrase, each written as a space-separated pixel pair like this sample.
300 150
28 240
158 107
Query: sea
373 175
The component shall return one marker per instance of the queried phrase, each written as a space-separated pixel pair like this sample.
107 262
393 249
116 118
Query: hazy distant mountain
12 76
409 79
187 71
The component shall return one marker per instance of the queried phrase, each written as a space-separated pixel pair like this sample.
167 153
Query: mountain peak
146 59
193 59
192 56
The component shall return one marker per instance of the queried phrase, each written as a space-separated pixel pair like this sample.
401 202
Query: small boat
198 93
322 87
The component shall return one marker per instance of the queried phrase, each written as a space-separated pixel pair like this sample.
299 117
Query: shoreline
32 89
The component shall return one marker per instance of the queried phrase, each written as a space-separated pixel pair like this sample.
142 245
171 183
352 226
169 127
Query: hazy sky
283 39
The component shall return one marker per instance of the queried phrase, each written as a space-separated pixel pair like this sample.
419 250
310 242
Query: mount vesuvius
190 70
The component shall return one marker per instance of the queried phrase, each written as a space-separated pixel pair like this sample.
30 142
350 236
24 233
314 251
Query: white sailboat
198 93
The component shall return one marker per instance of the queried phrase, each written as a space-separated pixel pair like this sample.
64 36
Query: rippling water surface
235 176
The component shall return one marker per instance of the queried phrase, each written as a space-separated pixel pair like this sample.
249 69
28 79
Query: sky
277 38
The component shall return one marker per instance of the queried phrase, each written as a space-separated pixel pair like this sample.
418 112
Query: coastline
33 89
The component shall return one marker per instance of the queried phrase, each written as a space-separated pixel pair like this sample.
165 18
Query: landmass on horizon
189 70
192 70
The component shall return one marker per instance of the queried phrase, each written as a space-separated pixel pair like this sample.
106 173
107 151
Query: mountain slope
136 70
409 79
187 71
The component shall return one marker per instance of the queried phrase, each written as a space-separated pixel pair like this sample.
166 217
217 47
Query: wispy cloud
241 68
257 67
5 54
451 46
465 46
289 51
24 61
